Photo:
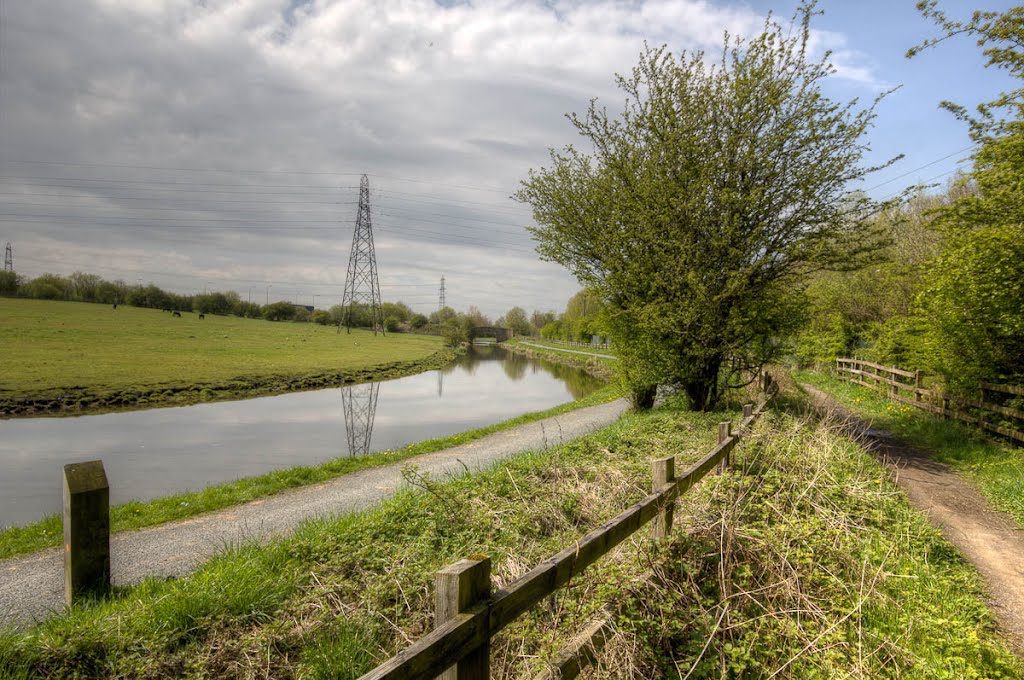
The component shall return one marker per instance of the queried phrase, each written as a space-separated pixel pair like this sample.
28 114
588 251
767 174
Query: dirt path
32 586
992 541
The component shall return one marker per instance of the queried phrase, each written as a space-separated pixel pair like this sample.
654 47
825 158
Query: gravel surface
32 586
570 351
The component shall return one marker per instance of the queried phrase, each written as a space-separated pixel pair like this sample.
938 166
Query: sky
218 145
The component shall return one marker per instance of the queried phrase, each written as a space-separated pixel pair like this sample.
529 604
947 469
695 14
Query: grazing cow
177 314
202 316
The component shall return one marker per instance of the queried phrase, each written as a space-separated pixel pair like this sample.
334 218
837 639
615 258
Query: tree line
716 225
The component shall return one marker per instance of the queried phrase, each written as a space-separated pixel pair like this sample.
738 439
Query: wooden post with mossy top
918 382
458 587
86 530
664 472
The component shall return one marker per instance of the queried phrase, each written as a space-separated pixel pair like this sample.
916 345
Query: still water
154 453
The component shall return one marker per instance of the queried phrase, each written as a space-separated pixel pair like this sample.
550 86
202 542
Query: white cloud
446 107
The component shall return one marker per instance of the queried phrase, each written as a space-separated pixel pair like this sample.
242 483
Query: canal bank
297 424
31 586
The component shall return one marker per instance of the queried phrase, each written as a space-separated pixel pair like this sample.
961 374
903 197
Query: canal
148 454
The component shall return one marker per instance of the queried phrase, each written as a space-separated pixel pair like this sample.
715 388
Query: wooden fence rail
976 412
468 614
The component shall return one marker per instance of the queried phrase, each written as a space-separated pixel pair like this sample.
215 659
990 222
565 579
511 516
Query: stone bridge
499 334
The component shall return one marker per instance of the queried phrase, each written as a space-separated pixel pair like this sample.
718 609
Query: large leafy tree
700 209
975 300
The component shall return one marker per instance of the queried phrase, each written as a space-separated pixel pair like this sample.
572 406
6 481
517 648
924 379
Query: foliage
515 319
418 321
391 324
705 204
279 311
975 300
321 317
9 283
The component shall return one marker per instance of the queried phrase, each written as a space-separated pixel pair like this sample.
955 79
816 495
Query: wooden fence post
918 382
724 432
894 391
458 587
663 471
86 530
748 410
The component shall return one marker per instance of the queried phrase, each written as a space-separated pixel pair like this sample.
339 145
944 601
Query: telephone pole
440 297
8 258
361 283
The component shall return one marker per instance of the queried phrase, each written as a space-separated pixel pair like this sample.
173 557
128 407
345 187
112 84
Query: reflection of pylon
440 383
361 283
8 259
359 402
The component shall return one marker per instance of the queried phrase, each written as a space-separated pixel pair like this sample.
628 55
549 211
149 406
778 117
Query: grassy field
996 468
803 561
80 356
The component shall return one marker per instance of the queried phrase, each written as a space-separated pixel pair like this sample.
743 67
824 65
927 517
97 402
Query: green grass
92 357
602 367
48 532
996 468
804 559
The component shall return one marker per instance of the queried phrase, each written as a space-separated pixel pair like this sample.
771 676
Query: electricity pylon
359 402
361 283
8 259
440 297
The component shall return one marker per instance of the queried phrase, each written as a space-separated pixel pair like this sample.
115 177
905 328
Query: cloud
220 143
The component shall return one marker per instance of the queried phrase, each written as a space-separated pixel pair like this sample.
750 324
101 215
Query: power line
922 167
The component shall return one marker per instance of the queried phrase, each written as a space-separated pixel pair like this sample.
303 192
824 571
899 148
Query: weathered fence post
86 530
724 432
918 382
748 410
458 587
894 390
663 471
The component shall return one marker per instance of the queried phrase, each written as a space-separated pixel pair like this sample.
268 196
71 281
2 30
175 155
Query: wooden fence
906 387
468 614
572 343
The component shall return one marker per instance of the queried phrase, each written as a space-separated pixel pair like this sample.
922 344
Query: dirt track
992 541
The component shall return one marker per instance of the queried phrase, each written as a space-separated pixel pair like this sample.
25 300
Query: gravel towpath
991 540
569 351
32 587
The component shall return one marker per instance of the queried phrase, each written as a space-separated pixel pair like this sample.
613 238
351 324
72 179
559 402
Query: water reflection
153 453
359 402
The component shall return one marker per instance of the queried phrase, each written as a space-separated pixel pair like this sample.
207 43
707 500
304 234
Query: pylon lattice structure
8 258
359 402
361 284
440 297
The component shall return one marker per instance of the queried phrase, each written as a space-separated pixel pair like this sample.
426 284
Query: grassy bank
997 469
81 357
803 560
600 367
48 532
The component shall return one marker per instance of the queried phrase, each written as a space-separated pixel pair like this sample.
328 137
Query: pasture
60 356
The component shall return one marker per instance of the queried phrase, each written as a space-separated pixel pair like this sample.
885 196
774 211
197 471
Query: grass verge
87 358
138 514
997 469
803 561
601 367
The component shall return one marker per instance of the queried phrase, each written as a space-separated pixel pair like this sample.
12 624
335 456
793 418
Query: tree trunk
703 388
643 397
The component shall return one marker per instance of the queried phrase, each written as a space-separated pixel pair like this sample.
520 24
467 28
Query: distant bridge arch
496 332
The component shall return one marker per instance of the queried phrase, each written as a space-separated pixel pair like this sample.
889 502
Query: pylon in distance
440 297
8 259
361 283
